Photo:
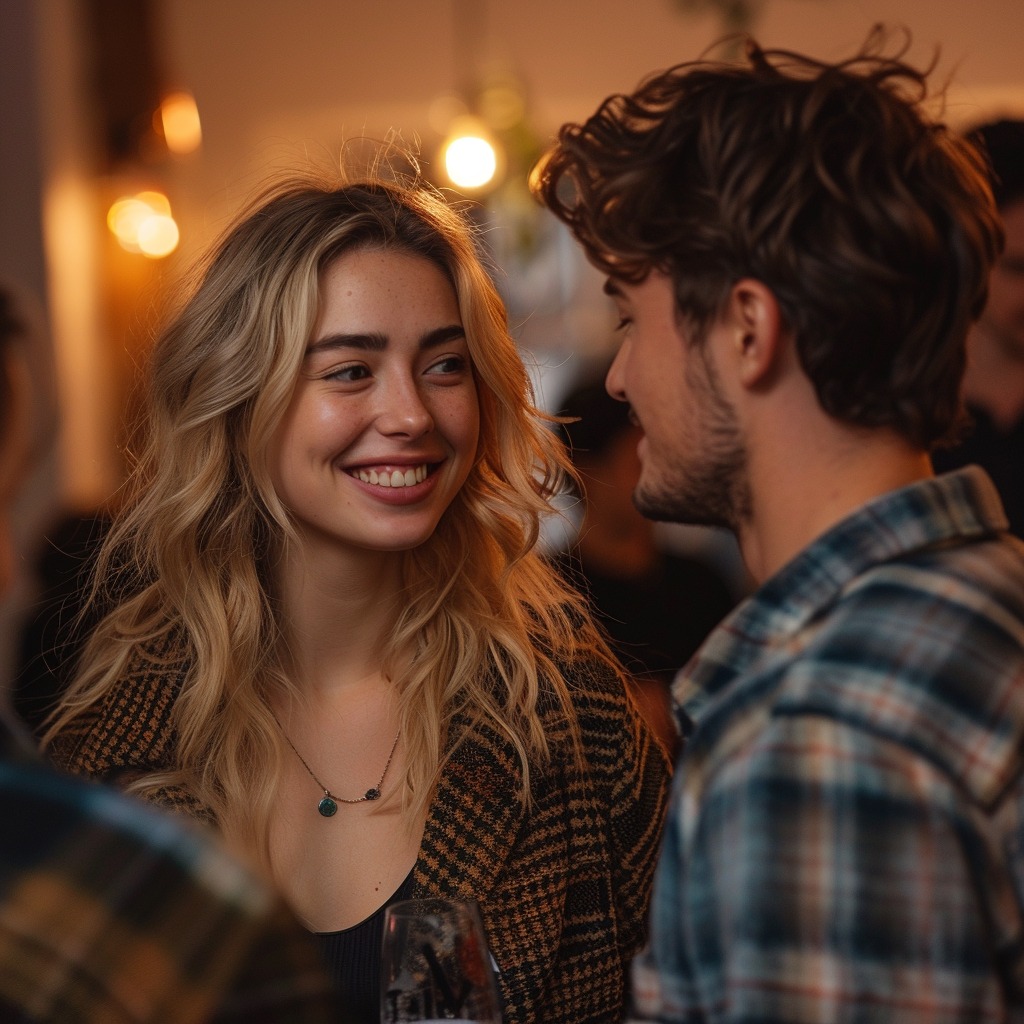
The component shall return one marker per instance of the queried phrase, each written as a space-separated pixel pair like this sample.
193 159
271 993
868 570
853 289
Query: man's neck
994 380
800 491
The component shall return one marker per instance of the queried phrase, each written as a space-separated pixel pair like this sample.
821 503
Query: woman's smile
397 484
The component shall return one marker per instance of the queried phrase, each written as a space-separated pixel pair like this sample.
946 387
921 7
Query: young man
797 253
994 382
110 912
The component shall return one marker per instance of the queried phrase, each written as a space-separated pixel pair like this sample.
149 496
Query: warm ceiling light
179 117
143 223
470 161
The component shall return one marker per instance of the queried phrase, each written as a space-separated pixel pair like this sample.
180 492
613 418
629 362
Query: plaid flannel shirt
114 913
846 832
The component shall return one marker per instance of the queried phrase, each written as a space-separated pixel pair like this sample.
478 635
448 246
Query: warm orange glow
156 201
143 223
179 116
158 236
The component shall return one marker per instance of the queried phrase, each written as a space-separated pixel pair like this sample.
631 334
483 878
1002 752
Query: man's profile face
1003 317
692 453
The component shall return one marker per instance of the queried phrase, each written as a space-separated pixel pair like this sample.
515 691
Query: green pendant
327 807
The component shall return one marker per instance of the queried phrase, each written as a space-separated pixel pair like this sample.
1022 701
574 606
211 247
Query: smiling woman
382 429
328 632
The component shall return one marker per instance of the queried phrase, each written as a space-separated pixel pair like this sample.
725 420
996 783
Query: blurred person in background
657 607
797 251
329 632
60 620
110 911
994 382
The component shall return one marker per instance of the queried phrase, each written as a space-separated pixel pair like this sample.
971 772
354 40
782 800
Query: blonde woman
330 635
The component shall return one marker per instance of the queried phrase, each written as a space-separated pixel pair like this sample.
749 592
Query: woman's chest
337 870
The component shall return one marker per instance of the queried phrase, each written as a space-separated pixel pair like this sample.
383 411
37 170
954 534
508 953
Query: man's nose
614 383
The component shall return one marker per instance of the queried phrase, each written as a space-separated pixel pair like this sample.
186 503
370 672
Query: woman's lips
388 476
396 485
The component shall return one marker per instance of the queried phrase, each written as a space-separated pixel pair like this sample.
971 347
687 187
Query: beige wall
281 84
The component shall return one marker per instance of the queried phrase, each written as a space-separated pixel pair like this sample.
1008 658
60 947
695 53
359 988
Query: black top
1000 454
352 959
657 621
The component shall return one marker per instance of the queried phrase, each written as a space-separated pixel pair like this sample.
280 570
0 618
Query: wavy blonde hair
487 622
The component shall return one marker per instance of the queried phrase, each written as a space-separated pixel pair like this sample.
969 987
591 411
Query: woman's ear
759 332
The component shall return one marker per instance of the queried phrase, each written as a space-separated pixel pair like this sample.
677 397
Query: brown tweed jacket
563 886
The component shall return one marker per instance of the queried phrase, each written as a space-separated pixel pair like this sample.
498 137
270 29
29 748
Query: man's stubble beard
705 483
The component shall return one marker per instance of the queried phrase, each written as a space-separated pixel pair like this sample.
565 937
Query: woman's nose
403 411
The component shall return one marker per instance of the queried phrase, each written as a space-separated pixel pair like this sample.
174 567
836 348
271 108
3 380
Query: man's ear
758 332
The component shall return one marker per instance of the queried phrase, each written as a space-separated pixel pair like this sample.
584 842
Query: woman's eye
450 364
349 374
623 323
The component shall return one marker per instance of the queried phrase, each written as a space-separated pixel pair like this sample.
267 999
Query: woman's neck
339 607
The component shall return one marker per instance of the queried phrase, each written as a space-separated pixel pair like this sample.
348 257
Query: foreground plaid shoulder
111 912
845 833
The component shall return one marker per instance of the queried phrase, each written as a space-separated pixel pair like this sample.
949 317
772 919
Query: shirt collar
938 510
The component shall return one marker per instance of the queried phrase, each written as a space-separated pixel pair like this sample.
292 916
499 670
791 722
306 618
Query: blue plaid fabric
846 832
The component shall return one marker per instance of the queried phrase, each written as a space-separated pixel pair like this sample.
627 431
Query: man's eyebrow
377 342
611 287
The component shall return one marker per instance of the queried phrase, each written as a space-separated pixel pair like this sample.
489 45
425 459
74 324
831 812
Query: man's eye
349 373
450 364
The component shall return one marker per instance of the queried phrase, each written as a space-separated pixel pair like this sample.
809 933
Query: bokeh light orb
143 223
470 161
158 236
179 117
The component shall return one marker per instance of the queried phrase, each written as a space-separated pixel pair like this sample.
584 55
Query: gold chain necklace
328 805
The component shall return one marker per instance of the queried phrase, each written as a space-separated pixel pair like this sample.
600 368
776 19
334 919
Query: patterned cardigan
563 886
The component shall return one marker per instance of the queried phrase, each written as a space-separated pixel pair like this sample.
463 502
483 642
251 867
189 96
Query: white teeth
396 478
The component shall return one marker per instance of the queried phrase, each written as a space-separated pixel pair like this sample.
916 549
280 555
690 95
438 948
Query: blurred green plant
735 15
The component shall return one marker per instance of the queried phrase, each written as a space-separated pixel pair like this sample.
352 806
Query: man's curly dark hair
872 224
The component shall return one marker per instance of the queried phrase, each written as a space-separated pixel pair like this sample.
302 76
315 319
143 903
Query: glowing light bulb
179 117
470 161
158 236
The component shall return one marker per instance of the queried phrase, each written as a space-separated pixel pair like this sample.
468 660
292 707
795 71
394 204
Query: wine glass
435 965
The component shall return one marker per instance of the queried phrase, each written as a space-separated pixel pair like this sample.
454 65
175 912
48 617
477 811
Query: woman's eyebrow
442 335
376 342
373 342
